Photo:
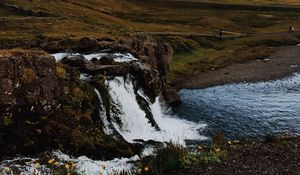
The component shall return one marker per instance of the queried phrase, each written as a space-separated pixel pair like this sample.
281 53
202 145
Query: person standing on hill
220 33
292 29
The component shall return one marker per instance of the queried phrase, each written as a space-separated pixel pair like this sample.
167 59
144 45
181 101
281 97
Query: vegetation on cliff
46 106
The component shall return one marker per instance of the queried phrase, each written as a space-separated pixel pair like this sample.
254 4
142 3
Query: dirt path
284 62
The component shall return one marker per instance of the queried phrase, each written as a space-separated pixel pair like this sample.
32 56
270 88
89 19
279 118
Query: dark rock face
28 85
44 105
158 55
147 78
172 97
28 89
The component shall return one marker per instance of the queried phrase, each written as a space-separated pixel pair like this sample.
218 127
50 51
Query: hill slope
190 27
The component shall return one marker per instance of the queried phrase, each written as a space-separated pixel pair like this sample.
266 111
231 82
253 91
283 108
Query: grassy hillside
191 30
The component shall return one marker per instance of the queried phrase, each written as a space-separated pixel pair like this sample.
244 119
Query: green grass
118 20
174 157
216 54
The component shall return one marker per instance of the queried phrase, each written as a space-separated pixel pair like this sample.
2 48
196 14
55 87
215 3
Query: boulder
107 60
172 97
74 61
108 70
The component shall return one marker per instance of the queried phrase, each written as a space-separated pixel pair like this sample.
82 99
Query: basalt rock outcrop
149 51
45 105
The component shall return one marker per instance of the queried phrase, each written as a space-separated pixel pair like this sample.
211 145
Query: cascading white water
135 125
118 57
84 165
102 112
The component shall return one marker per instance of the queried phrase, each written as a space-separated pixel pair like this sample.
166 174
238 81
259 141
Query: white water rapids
136 126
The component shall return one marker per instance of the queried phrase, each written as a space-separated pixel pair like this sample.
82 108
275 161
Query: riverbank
278 156
283 62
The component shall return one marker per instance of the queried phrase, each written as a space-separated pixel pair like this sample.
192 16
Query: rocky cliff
45 105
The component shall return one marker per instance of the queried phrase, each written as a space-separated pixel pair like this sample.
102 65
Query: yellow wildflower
37 165
51 161
56 163
146 169
236 141
139 171
73 165
67 166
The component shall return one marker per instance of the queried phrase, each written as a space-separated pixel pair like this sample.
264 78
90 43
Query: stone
107 60
172 97
74 61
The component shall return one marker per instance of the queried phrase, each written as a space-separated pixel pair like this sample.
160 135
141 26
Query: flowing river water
245 110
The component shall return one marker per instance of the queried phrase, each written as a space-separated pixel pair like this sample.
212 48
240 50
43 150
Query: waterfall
102 113
131 123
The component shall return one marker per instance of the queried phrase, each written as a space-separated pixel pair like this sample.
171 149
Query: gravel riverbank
276 157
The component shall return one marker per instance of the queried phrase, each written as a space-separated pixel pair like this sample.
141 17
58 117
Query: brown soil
283 62
281 157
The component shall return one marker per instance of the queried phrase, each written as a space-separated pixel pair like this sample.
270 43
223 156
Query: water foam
84 165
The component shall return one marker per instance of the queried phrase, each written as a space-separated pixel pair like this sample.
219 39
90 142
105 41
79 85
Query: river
245 110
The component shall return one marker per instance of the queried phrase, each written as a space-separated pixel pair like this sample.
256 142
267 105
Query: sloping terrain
193 30
71 18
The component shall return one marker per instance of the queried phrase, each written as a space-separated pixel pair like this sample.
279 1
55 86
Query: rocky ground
276 157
